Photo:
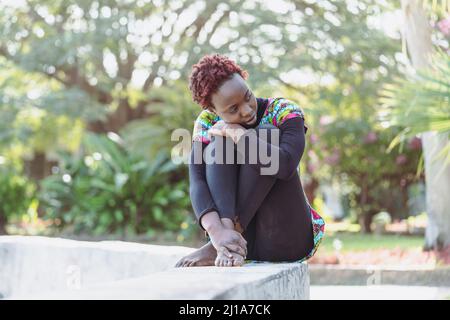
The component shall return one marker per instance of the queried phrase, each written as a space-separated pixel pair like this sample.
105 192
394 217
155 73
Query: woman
247 214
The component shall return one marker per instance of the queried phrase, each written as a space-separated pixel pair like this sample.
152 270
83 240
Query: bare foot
224 260
205 256
227 258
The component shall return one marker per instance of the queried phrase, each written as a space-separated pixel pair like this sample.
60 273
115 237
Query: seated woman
248 210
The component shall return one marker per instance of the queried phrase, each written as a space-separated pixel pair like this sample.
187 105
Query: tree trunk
122 116
366 216
365 221
437 177
2 223
39 167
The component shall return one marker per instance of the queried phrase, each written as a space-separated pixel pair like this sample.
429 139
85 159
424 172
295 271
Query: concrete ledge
52 268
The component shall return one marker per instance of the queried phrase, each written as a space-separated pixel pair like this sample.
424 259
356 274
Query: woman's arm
290 149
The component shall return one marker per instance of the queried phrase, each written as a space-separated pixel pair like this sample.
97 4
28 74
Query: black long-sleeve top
283 113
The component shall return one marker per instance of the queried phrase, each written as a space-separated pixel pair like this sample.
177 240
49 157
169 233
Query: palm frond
420 103
436 5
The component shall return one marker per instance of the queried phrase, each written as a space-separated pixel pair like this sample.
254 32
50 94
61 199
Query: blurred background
90 92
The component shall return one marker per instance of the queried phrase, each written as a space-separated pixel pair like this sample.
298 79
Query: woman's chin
246 125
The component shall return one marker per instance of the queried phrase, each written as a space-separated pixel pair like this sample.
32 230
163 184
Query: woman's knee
220 150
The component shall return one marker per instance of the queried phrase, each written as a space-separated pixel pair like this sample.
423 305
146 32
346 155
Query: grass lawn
373 249
353 241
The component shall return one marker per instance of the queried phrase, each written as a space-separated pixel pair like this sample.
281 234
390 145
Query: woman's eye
250 95
233 110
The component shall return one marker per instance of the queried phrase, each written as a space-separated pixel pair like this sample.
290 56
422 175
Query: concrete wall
53 268
380 275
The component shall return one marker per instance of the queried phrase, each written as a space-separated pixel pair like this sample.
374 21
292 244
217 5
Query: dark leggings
273 213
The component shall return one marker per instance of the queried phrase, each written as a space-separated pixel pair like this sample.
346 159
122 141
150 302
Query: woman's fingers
242 242
225 251
238 249
217 132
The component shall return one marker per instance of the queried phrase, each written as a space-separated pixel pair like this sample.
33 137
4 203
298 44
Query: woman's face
234 102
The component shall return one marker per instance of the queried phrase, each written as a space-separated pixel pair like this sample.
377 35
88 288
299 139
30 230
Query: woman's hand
226 240
232 130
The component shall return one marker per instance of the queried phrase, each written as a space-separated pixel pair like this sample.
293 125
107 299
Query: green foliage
118 61
355 153
16 194
382 219
99 47
420 103
346 141
107 189
38 115
175 110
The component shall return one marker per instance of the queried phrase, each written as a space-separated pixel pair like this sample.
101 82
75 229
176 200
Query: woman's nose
247 113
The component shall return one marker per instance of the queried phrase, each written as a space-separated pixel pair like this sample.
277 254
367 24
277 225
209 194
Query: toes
179 263
238 262
223 262
192 263
185 263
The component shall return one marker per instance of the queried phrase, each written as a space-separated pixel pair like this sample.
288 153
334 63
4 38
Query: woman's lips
251 120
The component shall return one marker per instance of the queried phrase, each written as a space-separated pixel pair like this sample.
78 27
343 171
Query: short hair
208 74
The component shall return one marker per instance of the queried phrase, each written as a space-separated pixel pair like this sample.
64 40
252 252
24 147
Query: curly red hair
208 74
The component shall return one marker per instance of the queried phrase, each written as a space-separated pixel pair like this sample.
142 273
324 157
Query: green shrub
108 189
16 194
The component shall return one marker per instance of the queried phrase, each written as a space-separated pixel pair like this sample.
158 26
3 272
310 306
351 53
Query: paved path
378 292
